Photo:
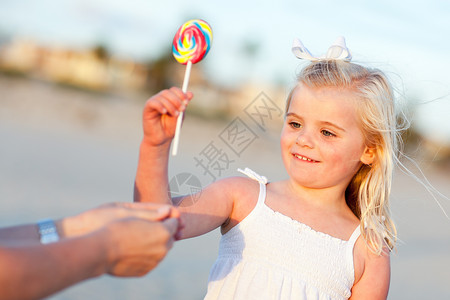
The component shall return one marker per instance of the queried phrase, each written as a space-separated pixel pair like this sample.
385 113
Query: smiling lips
304 158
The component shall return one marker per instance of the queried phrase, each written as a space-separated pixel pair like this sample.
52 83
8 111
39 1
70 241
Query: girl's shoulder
239 188
222 202
244 193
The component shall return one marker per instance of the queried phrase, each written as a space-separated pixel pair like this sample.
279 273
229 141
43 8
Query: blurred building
83 68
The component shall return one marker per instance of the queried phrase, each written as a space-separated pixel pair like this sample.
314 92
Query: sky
406 39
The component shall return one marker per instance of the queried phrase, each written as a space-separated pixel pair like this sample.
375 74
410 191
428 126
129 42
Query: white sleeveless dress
270 256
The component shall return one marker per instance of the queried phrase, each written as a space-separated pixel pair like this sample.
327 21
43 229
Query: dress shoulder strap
349 249
253 175
355 235
262 183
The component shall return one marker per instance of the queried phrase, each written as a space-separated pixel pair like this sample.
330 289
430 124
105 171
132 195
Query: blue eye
295 125
327 133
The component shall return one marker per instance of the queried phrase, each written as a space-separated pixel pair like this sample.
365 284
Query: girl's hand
161 113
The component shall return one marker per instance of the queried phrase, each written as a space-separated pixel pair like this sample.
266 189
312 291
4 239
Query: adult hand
94 219
136 246
160 115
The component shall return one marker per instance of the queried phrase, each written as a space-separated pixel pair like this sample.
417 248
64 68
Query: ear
368 156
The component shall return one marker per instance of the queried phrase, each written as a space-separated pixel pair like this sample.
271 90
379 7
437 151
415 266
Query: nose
304 139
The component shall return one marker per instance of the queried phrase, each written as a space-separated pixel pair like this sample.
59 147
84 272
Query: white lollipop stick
176 139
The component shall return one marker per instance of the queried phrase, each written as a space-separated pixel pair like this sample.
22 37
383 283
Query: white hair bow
337 51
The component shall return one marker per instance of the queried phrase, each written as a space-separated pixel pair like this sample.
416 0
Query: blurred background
74 76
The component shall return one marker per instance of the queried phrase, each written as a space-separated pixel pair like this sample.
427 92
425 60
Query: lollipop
190 44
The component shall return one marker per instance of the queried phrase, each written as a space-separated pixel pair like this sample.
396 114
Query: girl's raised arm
159 121
213 205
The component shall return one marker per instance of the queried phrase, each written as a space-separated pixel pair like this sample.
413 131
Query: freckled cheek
286 139
284 147
347 160
332 154
339 157
286 144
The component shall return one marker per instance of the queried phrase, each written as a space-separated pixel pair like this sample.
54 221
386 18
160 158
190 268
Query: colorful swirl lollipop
190 45
192 41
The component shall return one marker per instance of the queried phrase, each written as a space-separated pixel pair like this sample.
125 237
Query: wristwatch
47 231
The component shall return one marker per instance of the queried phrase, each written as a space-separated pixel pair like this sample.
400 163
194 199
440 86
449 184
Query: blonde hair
367 195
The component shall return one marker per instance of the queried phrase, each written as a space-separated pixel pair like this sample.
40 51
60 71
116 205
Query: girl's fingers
155 105
185 98
172 101
177 98
170 107
178 92
189 95
162 106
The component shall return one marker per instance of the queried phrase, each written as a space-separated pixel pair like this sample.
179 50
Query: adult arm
33 272
127 246
88 221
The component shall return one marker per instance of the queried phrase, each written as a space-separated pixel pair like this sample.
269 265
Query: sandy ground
64 151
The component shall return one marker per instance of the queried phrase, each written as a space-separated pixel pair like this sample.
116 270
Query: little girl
324 233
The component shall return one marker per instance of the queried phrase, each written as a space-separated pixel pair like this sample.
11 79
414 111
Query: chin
304 179
308 183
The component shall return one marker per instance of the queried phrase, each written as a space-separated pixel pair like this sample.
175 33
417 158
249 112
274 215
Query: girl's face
321 142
